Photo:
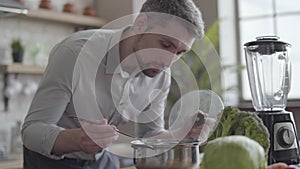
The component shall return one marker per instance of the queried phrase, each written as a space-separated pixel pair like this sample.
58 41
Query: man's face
157 50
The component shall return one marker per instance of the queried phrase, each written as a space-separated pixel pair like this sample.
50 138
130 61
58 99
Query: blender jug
269 68
269 73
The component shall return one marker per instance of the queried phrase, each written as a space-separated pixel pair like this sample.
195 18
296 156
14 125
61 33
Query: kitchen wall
38 37
41 34
111 10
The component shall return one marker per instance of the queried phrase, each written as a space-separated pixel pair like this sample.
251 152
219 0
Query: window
270 17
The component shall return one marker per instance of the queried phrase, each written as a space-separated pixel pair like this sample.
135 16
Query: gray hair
184 9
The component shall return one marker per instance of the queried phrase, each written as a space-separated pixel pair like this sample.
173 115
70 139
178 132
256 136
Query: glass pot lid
205 100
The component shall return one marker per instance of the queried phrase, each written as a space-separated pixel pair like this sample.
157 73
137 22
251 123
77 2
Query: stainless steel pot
166 154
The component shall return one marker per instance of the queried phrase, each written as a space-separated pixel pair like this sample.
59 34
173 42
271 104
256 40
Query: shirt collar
113 55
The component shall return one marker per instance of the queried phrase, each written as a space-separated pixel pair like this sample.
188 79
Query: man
130 84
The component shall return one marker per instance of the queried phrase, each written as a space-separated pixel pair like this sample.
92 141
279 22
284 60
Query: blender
269 72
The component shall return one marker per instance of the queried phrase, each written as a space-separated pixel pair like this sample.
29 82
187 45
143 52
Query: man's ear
140 24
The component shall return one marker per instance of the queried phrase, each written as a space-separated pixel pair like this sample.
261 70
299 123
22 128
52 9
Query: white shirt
119 96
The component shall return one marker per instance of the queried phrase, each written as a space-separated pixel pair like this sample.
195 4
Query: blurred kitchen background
229 24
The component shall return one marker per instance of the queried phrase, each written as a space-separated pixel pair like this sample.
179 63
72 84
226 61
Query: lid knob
267 38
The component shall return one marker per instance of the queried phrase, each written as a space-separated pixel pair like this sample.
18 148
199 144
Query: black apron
34 160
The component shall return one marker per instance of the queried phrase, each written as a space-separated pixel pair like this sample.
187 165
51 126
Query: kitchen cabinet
67 22
15 69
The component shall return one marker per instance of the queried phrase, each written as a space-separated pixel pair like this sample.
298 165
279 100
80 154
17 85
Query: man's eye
166 44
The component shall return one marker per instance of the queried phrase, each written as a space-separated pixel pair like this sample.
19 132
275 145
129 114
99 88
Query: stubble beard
143 67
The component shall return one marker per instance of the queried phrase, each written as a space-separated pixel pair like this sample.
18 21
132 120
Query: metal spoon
94 122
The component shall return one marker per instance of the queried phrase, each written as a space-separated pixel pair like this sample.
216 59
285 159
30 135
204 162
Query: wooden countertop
15 161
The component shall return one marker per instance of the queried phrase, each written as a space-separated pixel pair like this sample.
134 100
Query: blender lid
267 45
266 40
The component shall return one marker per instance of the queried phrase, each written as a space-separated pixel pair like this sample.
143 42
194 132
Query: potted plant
17 50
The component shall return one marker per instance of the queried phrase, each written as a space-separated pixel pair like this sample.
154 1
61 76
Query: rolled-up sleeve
39 130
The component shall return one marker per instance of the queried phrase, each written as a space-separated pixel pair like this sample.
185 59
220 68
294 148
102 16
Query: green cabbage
233 152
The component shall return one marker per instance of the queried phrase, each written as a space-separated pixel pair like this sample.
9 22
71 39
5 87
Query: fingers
96 135
278 166
210 122
194 133
102 142
202 132
199 119
99 131
194 128
102 121
199 132
105 142
208 126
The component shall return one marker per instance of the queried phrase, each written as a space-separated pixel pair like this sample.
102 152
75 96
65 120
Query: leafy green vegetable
235 122
233 152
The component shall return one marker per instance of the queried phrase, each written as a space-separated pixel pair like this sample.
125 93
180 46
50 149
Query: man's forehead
174 30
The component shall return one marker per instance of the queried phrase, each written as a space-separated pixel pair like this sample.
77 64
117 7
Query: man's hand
202 130
95 136
194 129
281 165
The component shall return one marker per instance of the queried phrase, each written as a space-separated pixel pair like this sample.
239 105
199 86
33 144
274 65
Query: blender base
284 146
